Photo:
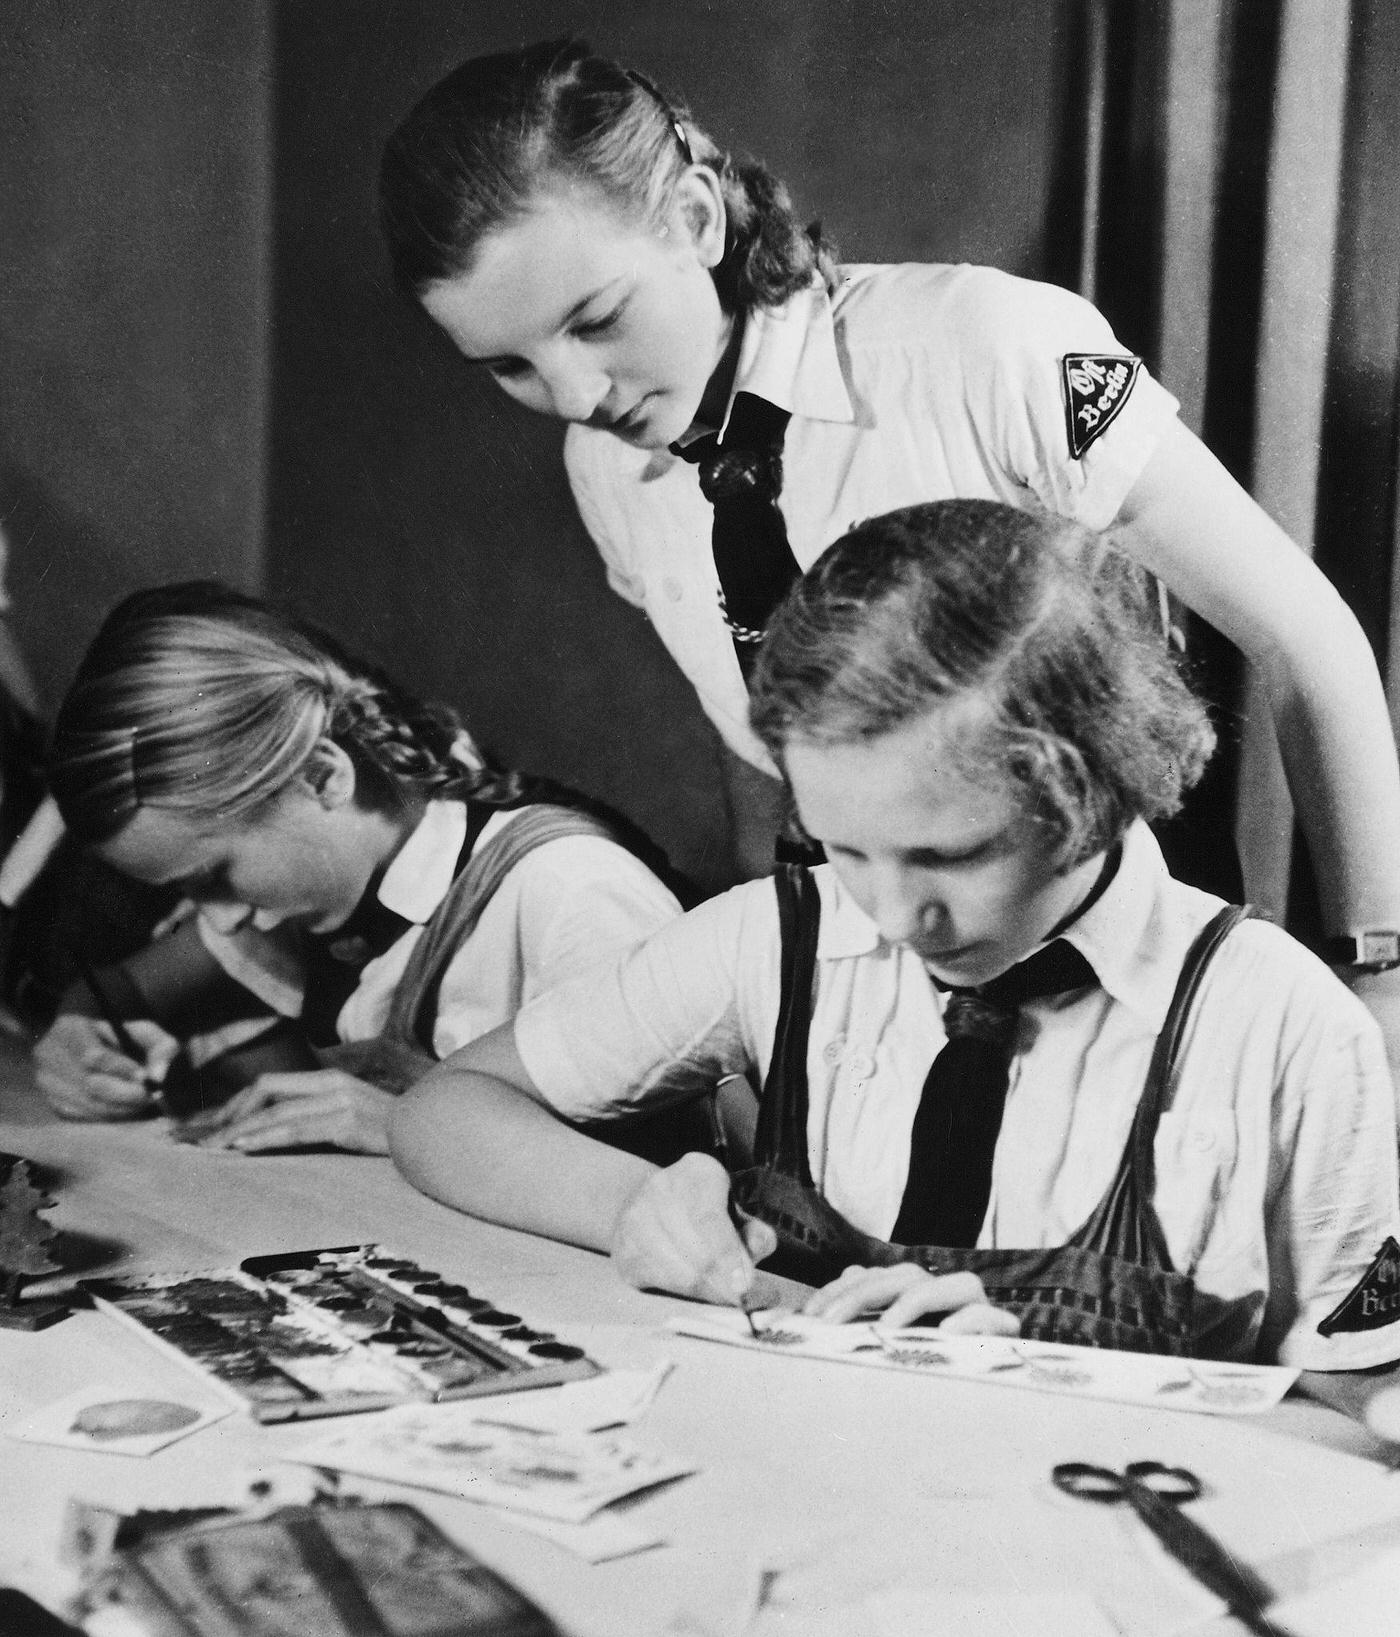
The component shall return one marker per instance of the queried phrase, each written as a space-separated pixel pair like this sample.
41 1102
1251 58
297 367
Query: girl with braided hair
354 861
736 400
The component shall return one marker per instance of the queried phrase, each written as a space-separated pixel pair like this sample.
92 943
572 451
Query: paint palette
338 1330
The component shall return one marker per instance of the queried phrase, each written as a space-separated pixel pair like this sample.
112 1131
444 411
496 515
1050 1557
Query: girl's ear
328 774
699 205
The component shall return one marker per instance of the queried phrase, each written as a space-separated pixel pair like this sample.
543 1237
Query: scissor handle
1156 1493
1088 1482
1173 1485
1169 1483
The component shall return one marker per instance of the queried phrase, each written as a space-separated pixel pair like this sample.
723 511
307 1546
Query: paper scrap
599 1539
613 1399
113 1422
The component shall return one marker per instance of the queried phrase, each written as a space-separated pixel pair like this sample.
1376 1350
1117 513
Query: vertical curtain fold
1249 247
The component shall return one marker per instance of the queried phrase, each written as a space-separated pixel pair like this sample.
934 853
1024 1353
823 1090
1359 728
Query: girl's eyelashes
602 324
515 369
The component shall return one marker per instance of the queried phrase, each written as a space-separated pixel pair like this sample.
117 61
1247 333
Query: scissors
1157 1493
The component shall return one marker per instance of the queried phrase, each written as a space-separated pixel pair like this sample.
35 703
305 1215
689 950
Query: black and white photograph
699 818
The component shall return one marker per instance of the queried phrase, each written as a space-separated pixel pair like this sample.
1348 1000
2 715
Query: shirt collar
422 870
1132 938
1135 937
788 357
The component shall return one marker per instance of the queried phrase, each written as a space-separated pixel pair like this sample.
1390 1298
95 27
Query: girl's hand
677 1233
297 1110
84 1075
904 1294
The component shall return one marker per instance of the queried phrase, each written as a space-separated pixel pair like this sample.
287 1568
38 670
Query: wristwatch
1377 949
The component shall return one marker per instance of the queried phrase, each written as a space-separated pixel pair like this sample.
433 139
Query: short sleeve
590 481
566 908
1068 411
662 1023
1334 1228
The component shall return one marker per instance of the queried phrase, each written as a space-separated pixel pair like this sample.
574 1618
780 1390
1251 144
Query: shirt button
673 588
1202 1140
831 1052
862 1066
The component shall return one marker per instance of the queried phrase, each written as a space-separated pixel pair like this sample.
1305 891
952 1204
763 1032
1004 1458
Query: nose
903 906
576 387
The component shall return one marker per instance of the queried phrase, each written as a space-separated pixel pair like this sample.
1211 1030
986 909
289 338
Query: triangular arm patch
1096 386
1376 1299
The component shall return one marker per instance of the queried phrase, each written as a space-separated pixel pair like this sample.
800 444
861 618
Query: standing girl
355 862
595 250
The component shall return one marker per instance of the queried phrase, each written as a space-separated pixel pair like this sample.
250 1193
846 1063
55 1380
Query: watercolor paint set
338 1330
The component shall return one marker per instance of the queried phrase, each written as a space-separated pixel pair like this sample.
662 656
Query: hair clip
667 109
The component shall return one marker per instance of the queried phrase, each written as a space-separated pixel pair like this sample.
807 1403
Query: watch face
1378 949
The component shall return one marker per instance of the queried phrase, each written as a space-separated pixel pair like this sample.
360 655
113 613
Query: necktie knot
730 473
970 1016
742 478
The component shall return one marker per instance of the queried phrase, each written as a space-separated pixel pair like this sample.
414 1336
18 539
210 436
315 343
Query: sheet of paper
118 1423
613 1399
568 1476
598 1539
1204 1386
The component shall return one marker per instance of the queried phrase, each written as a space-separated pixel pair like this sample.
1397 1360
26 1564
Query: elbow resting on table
482 1142
439 1135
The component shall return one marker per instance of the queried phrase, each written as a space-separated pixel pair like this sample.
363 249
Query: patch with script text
1096 387
1375 1300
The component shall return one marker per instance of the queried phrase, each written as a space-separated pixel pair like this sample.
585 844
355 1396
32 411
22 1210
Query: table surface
856 1468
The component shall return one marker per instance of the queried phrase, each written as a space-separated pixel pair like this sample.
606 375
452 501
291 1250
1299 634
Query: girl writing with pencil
355 862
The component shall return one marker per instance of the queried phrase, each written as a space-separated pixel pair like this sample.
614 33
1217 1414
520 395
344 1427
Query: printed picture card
115 1422
568 1476
1205 1386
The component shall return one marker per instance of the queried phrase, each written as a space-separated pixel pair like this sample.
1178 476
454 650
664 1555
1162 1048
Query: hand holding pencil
102 1068
680 1232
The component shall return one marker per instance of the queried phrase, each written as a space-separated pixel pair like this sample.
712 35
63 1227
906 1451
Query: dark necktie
742 478
959 1116
333 962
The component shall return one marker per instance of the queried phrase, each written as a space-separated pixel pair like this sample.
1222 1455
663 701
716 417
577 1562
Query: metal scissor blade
1244 1593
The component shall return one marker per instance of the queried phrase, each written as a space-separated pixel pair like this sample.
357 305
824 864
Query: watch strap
1377 949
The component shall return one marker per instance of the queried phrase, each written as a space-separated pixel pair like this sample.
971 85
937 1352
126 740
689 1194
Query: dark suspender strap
414 1006
1125 1223
780 1138
1164 1054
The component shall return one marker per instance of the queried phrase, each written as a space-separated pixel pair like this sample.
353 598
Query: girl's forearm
479 1144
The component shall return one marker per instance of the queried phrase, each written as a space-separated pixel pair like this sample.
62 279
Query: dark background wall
134 178
203 368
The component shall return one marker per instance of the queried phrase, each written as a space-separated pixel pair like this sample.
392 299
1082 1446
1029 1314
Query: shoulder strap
415 999
1162 1068
780 1138
1125 1222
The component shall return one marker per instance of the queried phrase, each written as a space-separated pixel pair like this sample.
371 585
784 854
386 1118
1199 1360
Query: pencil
719 1144
110 1015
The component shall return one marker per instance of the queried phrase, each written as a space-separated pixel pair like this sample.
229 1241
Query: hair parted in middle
488 140
1045 638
